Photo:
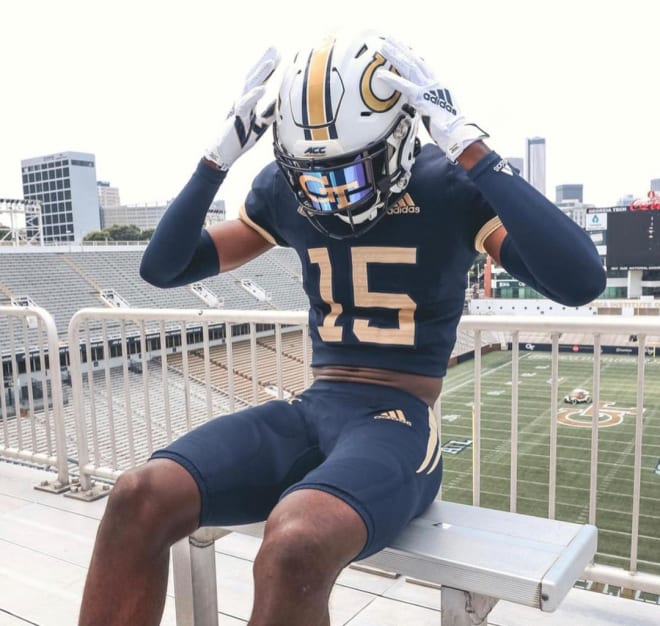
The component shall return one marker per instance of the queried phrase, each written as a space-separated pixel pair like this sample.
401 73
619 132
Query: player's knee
139 501
295 550
133 498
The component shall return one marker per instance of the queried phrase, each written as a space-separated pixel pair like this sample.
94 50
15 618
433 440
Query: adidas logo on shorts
396 415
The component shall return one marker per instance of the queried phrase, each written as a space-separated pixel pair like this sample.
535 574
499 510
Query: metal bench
477 555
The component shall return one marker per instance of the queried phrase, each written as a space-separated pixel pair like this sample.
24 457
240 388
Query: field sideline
616 445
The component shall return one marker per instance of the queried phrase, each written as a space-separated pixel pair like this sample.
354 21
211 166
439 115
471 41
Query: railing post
46 325
62 483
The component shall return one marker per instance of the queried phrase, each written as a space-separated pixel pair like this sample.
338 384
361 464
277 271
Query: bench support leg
463 608
195 594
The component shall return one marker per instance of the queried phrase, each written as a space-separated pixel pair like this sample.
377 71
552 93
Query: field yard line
484 372
504 448
615 467
470 381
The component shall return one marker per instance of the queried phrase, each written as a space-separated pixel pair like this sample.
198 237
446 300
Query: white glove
244 127
415 80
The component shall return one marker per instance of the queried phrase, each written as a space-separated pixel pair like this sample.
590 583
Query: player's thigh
386 465
243 462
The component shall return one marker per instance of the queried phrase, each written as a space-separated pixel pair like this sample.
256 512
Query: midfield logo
442 98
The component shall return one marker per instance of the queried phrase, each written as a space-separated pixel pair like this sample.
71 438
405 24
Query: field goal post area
652 349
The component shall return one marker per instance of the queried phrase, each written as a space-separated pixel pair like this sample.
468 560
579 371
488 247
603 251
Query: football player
386 231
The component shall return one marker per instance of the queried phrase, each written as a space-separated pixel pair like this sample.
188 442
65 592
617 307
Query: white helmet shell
343 138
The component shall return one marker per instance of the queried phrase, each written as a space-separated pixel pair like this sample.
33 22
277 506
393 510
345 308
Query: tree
96 235
118 232
124 232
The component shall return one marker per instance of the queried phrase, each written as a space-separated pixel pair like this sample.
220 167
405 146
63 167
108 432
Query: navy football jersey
391 298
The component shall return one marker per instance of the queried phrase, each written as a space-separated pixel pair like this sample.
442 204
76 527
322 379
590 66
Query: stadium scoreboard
633 235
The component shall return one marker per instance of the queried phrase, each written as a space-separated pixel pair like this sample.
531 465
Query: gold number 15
361 256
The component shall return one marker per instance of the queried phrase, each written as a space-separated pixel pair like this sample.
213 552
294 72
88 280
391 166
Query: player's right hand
244 127
436 105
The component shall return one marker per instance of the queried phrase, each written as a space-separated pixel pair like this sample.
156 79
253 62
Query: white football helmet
344 140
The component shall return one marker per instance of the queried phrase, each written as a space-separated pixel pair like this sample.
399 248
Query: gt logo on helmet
335 197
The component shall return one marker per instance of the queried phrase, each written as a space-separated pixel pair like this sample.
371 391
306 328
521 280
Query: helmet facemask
359 149
355 188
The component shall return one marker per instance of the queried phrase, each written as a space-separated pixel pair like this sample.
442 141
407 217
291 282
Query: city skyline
146 86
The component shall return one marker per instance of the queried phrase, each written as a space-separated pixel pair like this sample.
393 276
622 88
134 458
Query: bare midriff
426 388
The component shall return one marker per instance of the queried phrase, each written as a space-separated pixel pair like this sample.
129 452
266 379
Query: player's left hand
435 103
244 127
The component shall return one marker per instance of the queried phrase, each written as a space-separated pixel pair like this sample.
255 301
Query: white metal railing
174 389
162 382
31 398
643 329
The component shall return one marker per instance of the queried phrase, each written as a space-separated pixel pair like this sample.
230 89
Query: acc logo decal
608 415
315 150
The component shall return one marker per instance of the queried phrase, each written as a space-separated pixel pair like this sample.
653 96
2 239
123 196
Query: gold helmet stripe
317 92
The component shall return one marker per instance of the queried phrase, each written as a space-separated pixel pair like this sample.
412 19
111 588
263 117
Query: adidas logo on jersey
442 98
503 167
396 415
404 206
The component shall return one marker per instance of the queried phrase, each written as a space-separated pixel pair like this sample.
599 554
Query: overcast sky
145 84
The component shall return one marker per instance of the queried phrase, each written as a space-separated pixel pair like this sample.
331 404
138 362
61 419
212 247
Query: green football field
616 445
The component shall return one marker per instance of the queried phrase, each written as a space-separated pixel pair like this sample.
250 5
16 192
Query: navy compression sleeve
544 248
181 251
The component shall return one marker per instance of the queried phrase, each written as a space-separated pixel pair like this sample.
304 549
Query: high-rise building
143 216
655 184
65 185
147 216
108 195
535 163
625 200
568 192
517 163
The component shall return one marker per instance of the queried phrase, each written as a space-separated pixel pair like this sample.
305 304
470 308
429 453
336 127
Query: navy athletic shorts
375 447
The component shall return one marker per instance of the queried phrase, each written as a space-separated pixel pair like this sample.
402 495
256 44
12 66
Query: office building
625 200
517 163
144 216
65 185
535 163
564 193
147 216
108 195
